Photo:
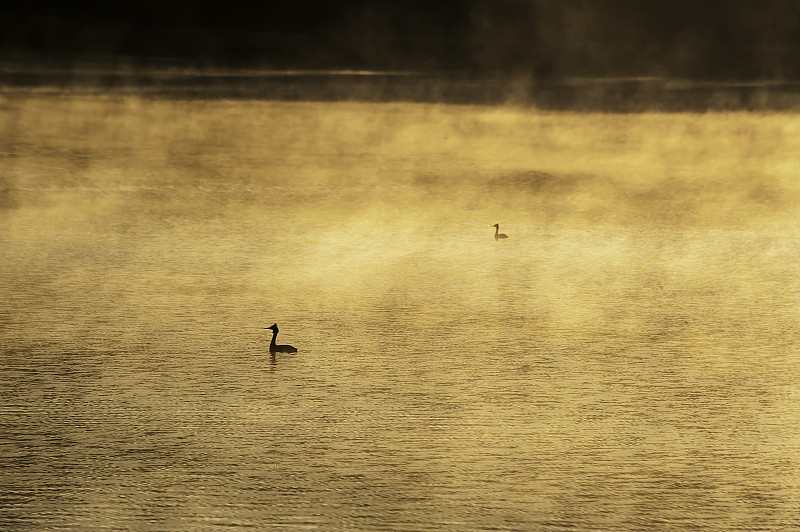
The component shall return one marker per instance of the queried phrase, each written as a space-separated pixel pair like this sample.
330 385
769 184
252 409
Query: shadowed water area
625 360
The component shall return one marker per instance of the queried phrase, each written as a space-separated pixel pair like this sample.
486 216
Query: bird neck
496 230
274 335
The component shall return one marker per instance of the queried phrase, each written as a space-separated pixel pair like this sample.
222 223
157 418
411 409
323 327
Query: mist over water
624 361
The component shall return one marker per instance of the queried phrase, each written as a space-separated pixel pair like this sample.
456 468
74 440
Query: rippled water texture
626 360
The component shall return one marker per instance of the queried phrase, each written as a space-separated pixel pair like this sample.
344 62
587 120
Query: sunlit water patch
626 360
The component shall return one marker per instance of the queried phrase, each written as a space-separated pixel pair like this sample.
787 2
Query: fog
174 178
99 189
727 167
624 359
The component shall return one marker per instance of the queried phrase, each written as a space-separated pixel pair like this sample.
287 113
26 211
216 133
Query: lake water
626 360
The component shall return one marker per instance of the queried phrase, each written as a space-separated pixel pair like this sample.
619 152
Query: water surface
626 360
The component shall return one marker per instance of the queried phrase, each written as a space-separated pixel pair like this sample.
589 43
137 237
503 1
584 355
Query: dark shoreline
586 95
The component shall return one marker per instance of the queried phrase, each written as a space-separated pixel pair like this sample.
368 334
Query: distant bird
497 234
275 348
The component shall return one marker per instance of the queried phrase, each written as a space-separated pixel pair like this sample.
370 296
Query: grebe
497 234
275 348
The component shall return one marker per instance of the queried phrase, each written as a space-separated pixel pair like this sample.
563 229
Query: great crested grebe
497 234
275 348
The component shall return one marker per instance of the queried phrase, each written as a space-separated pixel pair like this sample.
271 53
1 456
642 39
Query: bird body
274 347
497 234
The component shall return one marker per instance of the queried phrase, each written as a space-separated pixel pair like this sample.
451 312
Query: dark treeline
540 39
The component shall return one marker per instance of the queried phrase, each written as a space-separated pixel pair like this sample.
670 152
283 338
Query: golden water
626 360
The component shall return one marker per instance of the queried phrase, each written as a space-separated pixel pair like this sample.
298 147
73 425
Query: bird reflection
274 347
497 234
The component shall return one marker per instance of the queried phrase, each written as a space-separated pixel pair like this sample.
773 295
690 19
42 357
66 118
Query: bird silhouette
497 234
275 348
